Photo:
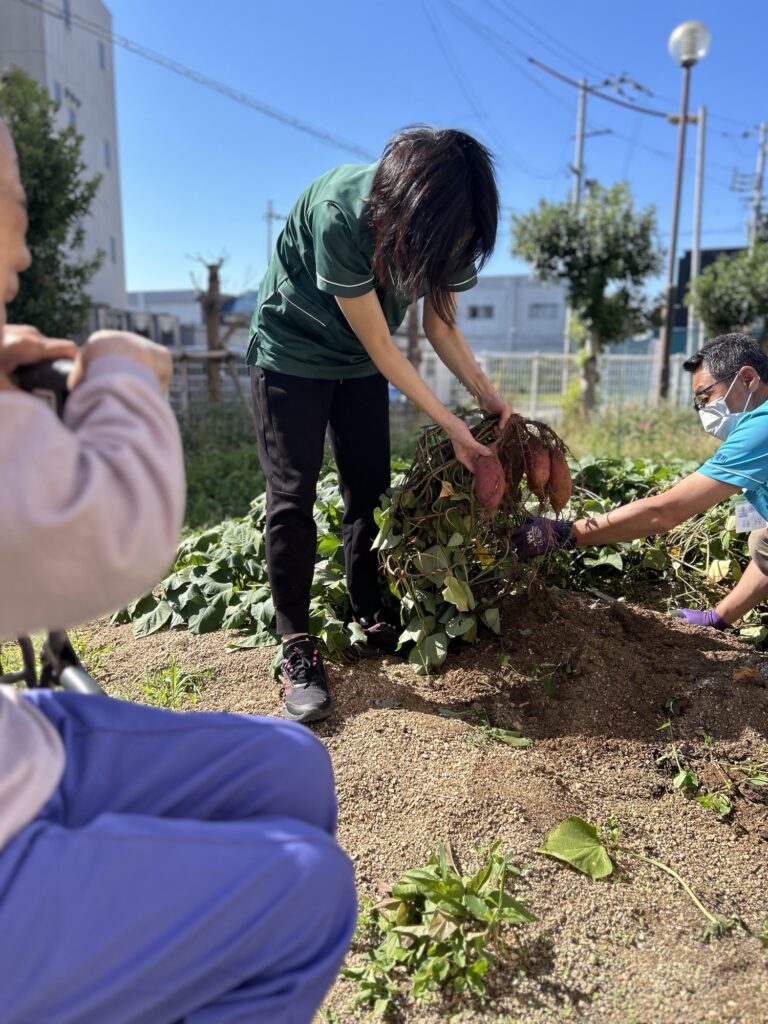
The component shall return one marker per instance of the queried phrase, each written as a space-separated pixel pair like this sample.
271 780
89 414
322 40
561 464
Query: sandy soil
624 950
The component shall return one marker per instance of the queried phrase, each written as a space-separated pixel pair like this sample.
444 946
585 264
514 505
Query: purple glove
540 536
691 617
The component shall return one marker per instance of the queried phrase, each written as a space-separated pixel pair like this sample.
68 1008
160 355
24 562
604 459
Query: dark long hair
434 211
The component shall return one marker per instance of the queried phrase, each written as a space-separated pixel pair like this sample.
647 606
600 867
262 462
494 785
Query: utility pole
757 190
577 169
694 322
578 162
270 216
665 338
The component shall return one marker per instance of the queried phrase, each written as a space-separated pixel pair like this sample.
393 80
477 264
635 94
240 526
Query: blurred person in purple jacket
154 866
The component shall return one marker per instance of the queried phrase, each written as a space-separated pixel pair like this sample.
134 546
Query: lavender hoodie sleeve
90 509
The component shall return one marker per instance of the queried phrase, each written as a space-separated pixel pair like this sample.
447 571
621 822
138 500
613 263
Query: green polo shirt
324 250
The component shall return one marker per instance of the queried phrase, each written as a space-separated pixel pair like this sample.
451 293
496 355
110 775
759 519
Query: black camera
46 380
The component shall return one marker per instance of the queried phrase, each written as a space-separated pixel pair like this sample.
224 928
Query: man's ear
750 377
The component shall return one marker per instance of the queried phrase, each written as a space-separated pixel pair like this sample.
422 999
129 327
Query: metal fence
537 385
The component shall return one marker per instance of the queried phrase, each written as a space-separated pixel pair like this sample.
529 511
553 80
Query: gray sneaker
306 695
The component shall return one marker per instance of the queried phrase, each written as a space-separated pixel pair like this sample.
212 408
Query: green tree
732 293
604 251
52 295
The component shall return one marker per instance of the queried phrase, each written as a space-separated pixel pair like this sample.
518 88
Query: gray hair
726 354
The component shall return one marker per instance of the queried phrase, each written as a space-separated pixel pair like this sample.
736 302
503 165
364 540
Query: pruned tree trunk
589 375
414 352
211 302
414 336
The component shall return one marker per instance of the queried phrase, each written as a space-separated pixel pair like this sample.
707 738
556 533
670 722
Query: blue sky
198 169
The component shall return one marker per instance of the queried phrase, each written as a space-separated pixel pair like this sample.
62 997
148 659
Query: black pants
293 414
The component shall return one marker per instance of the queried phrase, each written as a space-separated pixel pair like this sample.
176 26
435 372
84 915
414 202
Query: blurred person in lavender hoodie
154 866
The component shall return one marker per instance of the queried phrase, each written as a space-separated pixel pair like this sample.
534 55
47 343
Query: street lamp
688 43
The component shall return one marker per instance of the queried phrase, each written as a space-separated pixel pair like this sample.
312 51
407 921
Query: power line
581 60
205 80
471 98
544 36
594 91
499 43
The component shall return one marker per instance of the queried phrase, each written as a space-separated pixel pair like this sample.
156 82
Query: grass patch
222 464
94 658
638 431
174 686
440 931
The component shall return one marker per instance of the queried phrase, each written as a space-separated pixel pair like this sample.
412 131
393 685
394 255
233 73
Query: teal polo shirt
742 458
325 250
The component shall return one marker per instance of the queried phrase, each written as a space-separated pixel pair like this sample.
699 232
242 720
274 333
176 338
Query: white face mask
717 418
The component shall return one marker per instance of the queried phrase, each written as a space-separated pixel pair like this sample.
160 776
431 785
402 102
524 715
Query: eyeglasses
699 400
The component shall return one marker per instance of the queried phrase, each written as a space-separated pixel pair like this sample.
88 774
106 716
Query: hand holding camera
36 363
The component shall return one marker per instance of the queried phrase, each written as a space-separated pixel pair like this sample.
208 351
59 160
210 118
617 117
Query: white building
512 313
77 68
183 303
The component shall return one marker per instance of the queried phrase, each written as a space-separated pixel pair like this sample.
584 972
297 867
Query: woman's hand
467 449
495 404
22 345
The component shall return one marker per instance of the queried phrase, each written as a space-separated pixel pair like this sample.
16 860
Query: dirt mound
590 681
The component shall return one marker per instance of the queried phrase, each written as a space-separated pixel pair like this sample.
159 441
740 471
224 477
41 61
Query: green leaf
246 643
578 843
719 569
459 625
429 654
417 629
454 593
477 907
492 620
431 563
607 559
754 634
686 780
511 737
154 620
207 620
655 558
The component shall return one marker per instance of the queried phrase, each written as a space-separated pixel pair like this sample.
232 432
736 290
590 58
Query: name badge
748 518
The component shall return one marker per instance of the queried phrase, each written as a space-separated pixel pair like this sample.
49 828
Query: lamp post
688 43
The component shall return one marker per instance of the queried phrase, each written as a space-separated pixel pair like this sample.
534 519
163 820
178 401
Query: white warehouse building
512 313
77 68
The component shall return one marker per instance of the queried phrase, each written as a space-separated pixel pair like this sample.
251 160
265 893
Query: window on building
107 154
67 12
102 56
72 118
57 91
112 249
542 311
480 312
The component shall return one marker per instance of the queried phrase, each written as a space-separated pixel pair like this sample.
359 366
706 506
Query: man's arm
452 349
91 508
366 318
657 514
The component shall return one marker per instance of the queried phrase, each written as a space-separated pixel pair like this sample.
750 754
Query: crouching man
730 388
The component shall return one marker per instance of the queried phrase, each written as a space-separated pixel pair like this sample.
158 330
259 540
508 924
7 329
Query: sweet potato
489 481
560 485
536 466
